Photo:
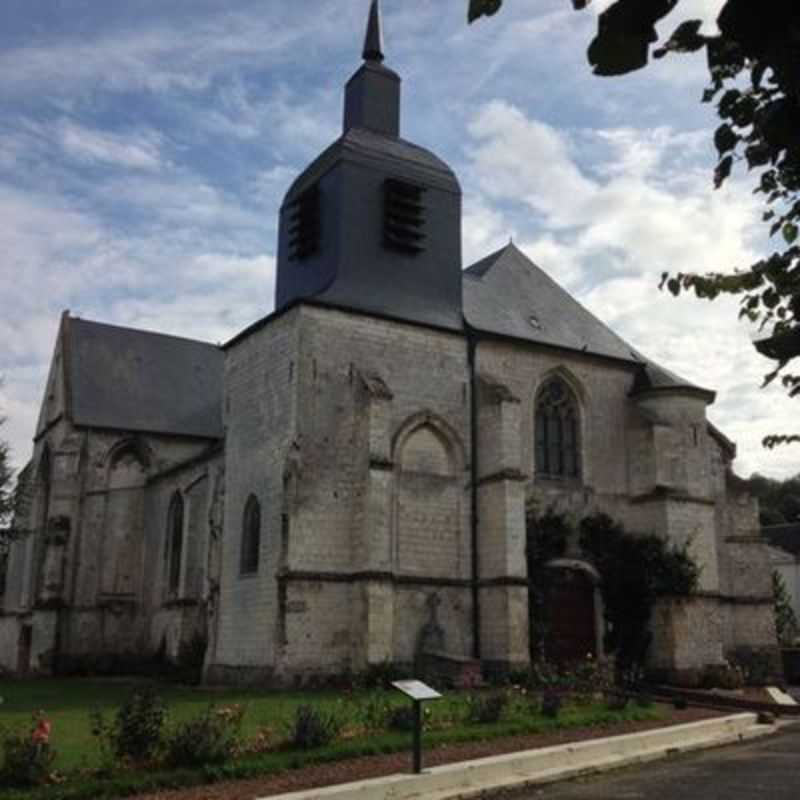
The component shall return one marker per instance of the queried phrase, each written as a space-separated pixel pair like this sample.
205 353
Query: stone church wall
259 409
77 580
375 491
177 618
601 388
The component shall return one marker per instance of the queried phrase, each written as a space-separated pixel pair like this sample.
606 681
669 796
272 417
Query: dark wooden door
571 616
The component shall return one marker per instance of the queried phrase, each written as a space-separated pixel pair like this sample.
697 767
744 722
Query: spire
372 95
373 41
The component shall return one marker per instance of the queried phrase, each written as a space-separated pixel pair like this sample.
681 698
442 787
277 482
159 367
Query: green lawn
67 704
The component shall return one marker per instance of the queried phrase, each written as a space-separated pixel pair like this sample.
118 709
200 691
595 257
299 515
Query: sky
145 147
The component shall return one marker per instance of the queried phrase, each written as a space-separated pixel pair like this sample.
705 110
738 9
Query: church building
346 482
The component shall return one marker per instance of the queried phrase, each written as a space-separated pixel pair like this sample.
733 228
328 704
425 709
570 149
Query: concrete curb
472 779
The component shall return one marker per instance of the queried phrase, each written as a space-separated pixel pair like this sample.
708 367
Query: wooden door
571 616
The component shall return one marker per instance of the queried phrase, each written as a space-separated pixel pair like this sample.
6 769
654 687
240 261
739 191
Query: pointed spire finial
373 42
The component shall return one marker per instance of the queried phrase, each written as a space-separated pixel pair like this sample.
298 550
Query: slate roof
507 294
135 380
362 146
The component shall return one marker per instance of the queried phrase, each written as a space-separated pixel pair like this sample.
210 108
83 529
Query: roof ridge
129 329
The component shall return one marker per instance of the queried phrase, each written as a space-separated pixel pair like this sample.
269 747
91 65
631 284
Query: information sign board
416 690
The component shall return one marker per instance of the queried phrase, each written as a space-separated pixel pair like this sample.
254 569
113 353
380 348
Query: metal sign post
418 692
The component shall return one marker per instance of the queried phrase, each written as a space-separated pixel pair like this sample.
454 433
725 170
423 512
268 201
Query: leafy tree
785 619
755 81
14 497
779 501
6 485
6 507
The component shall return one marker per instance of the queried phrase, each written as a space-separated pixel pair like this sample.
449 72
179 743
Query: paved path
767 769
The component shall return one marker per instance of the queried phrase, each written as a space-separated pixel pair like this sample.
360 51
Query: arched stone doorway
572 608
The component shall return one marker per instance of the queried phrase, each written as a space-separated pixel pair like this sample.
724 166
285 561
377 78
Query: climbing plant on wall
635 570
546 540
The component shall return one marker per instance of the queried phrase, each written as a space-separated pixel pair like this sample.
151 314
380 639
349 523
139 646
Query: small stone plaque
416 690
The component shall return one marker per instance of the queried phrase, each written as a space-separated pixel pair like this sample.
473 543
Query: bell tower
374 223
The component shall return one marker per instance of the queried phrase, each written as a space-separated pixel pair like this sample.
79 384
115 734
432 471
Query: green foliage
400 718
379 676
28 755
6 481
754 80
785 619
483 8
551 703
484 709
755 664
546 539
722 676
779 501
616 700
313 728
15 497
210 738
635 570
136 732
191 655
269 753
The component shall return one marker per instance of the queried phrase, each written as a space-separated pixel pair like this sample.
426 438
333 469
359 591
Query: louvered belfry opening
305 227
403 216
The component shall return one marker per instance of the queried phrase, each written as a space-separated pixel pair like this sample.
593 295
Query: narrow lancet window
251 536
556 432
174 547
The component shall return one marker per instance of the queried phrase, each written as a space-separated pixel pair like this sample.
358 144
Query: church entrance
571 614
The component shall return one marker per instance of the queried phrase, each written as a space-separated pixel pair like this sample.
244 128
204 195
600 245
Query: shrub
400 718
486 708
211 738
616 701
379 676
636 570
722 676
786 624
543 675
27 755
757 665
587 678
136 732
191 655
312 728
551 703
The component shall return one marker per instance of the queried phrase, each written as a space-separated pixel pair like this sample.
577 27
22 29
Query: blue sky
145 147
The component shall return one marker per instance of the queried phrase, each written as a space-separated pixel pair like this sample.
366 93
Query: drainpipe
472 344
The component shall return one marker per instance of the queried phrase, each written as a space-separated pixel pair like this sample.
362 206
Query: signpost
418 692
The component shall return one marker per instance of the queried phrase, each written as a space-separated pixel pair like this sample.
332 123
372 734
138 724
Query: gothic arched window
556 426
251 536
174 543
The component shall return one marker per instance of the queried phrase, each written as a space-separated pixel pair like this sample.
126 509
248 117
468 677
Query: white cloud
133 151
608 233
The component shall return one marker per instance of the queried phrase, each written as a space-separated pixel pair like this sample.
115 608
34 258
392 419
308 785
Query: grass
67 704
